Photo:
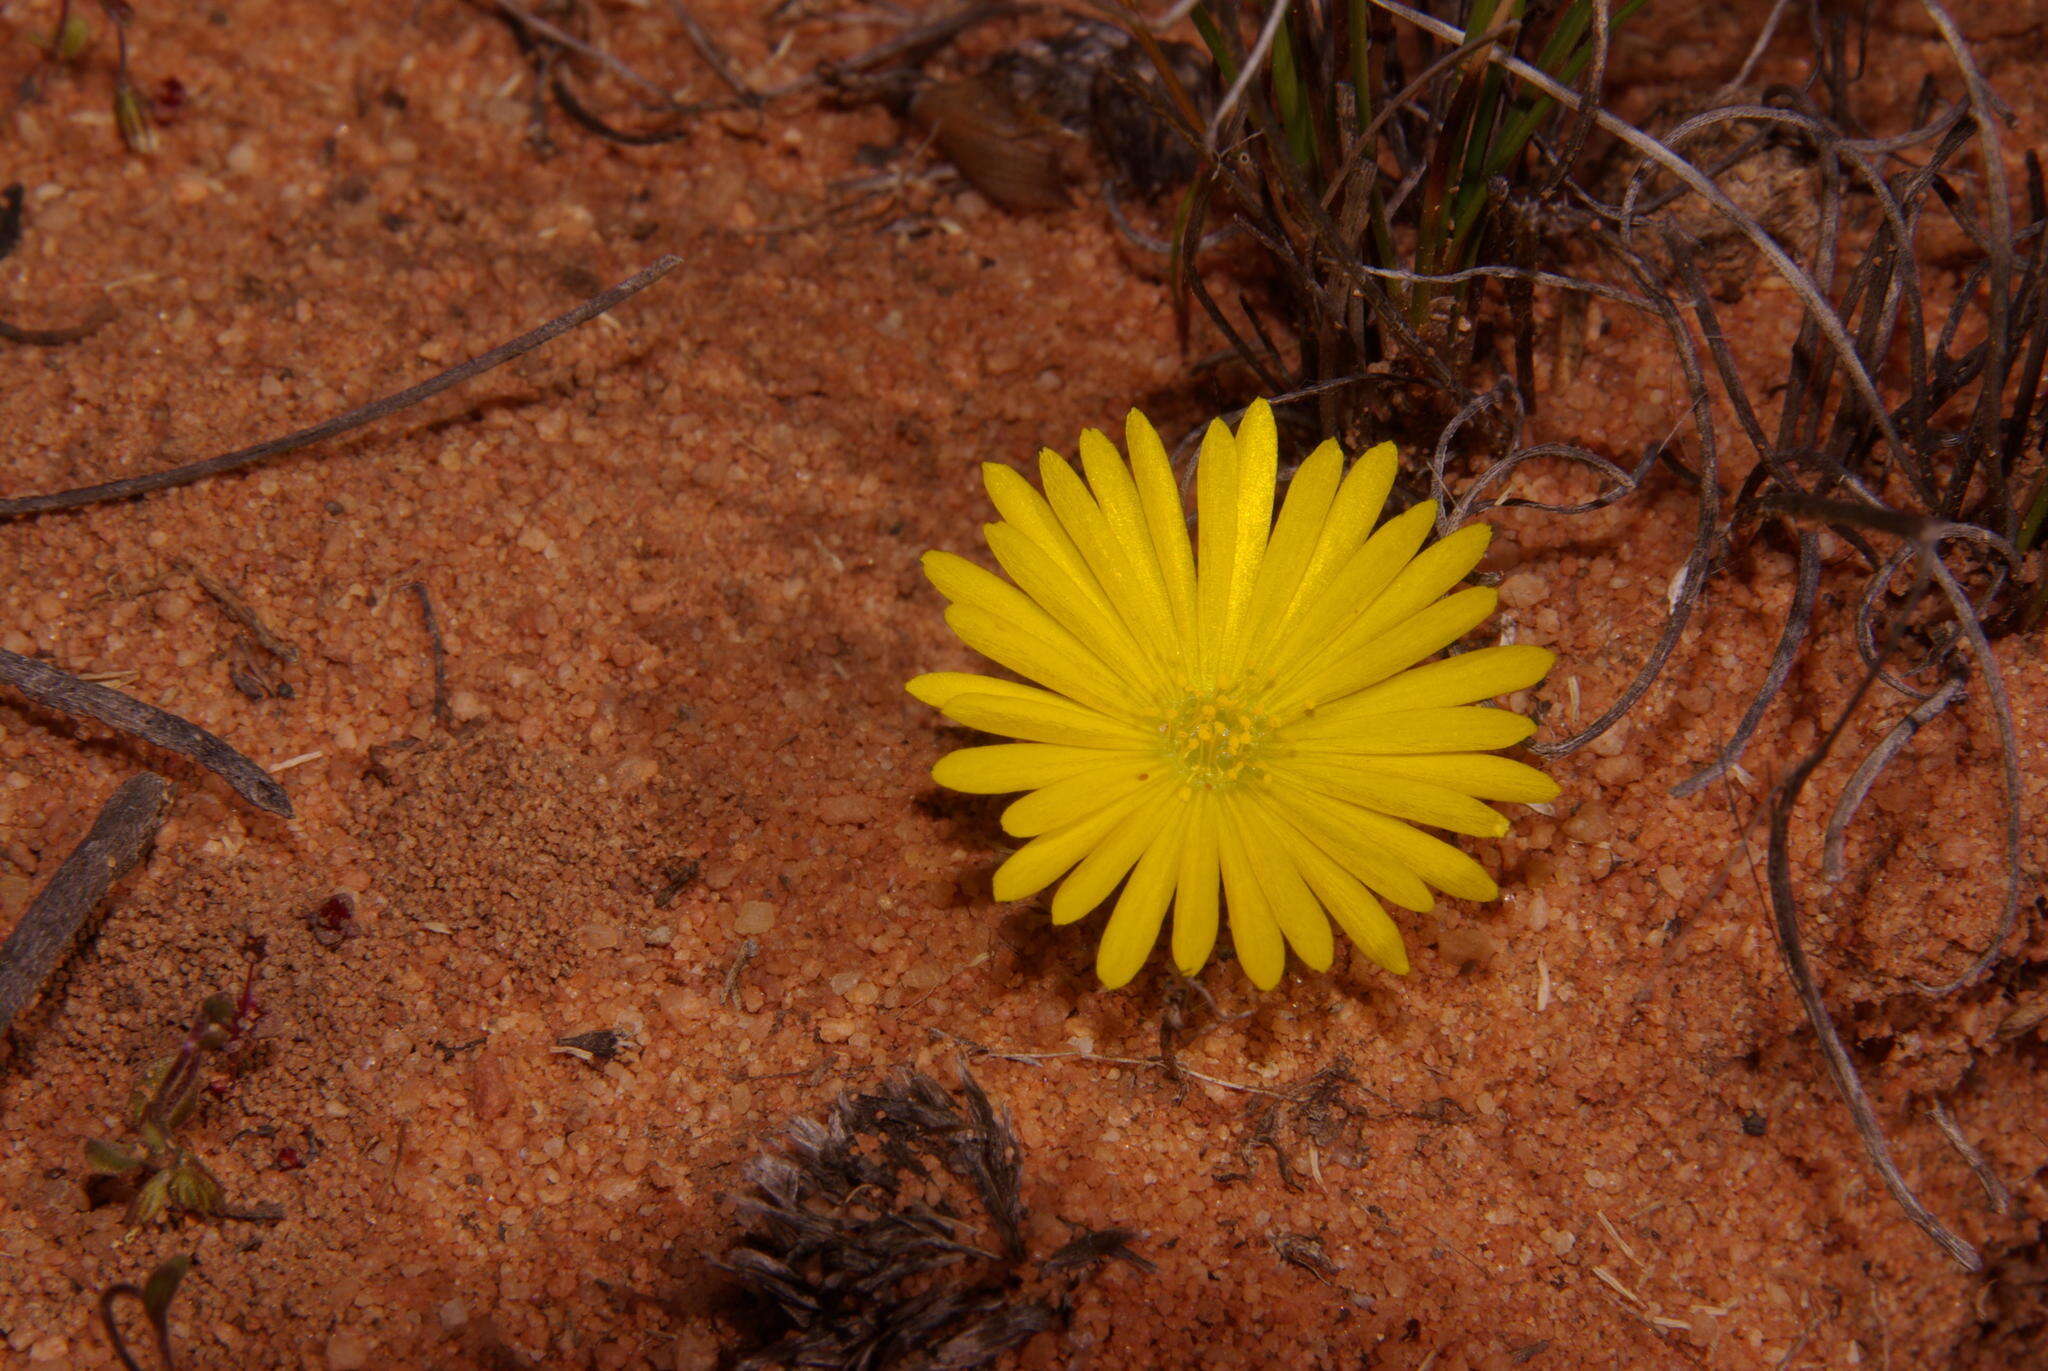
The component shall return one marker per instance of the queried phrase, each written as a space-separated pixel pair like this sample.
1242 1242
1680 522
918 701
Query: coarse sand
673 557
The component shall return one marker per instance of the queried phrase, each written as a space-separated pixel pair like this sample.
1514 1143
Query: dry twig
48 929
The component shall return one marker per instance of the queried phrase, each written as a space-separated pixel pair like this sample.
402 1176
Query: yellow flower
1242 724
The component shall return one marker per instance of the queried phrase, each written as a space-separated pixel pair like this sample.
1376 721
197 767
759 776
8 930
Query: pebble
1618 770
1591 824
1468 946
347 1350
846 809
755 916
1523 589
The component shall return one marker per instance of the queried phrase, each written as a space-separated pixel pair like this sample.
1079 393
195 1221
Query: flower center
1214 741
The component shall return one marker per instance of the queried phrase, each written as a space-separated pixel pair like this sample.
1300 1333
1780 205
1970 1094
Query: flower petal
1327 823
1216 554
1040 717
1367 573
1374 659
1076 797
1076 603
1352 514
1165 521
1001 767
1258 466
1343 729
1403 797
1415 588
1043 860
1007 642
1481 674
938 688
1138 599
1478 774
966 584
1195 889
1113 858
1432 859
1295 907
1361 916
1302 516
1134 924
1254 932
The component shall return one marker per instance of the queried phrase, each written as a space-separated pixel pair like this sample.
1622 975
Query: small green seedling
164 1176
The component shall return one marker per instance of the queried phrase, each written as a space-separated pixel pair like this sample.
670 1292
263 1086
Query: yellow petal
1478 675
1065 671
937 688
1327 823
1117 494
1001 767
1302 516
1415 588
1477 774
1043 860
1381 656
1369 571
1076 602
1345 729
1139 602
1195 889
1041 717
1403 797
1025 510
1361 916
1433 859
964 583
1253 930
1352 515
1076 797
1114 856
1165 519
1216 557
1295 907
1258 466
1428 578
1134 924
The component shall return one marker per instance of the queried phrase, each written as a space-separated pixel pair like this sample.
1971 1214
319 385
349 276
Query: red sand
674 556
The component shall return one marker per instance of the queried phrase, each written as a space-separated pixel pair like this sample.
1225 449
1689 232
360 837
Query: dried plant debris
12 219
1905 424
1018 128
891 1234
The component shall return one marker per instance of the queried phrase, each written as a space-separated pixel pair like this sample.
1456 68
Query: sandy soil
674 557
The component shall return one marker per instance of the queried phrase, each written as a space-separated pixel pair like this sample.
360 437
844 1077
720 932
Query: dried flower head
1241 724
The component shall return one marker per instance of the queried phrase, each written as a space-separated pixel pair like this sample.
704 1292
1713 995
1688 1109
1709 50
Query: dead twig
1994 1189
239 610
437 653
132 486
1784 908
10 238
122 833
61 691
731 993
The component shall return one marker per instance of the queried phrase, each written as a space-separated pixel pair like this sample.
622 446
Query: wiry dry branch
1908 425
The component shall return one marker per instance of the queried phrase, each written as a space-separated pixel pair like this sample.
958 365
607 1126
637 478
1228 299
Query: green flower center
1214 741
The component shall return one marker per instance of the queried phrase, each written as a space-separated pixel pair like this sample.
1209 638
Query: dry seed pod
1002 149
